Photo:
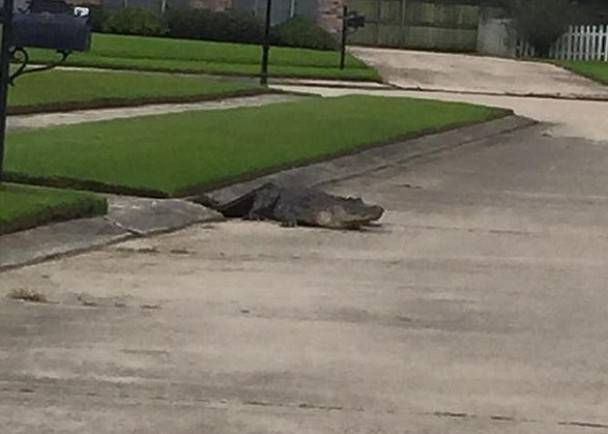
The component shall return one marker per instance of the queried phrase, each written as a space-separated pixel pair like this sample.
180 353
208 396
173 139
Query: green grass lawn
179 55
23 207
174 154
71 89
595 70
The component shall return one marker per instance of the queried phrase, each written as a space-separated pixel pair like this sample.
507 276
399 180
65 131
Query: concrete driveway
479 306
477 74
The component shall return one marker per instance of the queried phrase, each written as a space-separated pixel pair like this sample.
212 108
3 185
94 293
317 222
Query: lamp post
266 45
5 63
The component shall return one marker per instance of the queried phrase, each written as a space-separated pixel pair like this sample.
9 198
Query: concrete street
478 306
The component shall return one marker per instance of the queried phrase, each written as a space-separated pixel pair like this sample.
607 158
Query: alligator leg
287 216
289 223
263 205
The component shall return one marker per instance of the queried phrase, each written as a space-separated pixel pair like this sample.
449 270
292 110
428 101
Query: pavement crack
123 227
505 418
452 414
584 424
303 405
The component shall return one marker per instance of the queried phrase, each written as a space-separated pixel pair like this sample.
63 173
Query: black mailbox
355 21
52 28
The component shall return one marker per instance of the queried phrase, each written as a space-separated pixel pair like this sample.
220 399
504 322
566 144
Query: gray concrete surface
478 306
20 122
563 118
132 216
143 216
478 74
127 217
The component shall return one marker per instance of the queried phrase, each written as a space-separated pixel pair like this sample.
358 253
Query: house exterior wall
329 15
325 12
155 5
214 5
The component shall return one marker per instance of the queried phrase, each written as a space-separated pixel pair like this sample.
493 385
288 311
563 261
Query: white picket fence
579 43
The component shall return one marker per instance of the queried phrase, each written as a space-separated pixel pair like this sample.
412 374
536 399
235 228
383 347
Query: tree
541 22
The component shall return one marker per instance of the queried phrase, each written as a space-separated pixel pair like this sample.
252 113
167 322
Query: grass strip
179 55
23 207
595 70
176 154
61 90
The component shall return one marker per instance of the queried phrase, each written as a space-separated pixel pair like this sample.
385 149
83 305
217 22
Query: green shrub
134 21
203 24
303 32
229 26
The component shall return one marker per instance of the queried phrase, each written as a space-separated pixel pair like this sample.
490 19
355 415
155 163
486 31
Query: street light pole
266 46
5 64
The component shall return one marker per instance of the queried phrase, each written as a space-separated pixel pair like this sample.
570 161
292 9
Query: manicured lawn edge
75 206
373 77
76 184
581 73
117 102
201 188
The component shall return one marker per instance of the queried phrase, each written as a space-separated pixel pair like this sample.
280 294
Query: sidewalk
43 120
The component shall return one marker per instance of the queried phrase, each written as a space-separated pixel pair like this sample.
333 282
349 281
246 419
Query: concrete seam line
503 94
127 236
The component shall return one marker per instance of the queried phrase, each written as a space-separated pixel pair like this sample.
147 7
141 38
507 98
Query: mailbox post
266 44
350 21
50 24
5 64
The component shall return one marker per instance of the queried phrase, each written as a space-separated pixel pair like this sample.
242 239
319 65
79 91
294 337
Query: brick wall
329 15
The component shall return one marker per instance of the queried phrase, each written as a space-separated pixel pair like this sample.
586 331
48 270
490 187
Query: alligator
293 206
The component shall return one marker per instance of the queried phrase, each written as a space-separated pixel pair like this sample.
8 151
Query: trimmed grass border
24 207
206 57
184 153
65 90
594 70
108 103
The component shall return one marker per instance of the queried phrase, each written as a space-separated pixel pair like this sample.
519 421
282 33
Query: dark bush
229 26
134 21
98 17
203 24
542 22
303 32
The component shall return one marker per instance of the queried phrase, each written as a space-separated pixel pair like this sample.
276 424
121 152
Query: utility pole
266 46
5 63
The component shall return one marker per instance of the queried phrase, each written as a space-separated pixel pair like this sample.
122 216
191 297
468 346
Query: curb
135 217
127 218
335 84
502 94
377 158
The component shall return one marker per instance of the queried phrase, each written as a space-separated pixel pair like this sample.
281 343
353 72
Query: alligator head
348 213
